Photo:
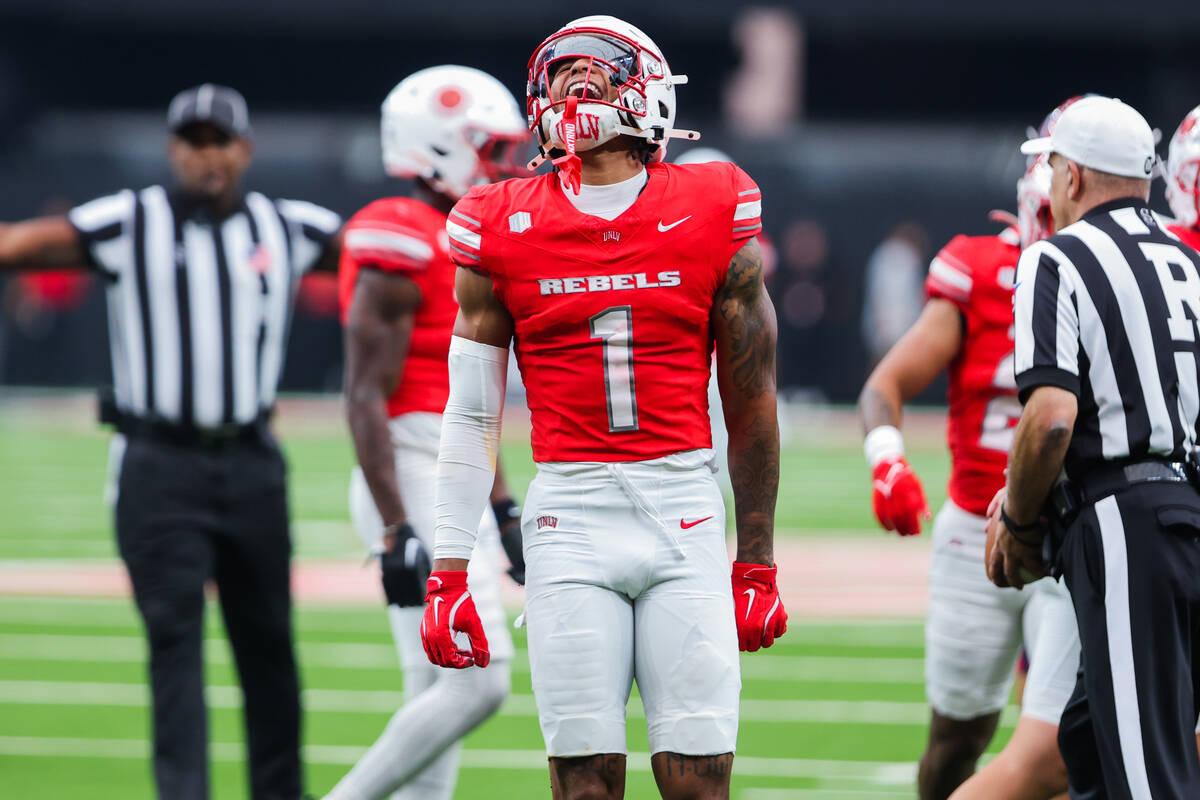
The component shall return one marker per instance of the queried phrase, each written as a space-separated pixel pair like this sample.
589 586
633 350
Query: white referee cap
1102 133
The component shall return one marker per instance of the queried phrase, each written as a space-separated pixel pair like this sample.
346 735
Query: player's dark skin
745 331
208 165
379 328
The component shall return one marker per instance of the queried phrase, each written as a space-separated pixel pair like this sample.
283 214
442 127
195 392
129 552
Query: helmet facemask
1183 171
1034 218
611 89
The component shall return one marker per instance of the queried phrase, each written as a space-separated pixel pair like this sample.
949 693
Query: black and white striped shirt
199 308
1108 309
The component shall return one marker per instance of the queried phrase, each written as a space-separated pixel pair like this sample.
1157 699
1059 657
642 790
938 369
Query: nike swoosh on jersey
686 525
664 228
749 605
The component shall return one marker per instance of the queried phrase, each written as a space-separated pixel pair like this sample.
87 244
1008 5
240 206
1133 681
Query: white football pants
416 756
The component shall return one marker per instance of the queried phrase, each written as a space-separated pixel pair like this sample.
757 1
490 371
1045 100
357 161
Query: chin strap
568 164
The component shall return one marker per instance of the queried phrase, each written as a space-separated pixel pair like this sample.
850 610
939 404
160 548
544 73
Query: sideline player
1183 180
614 277
974 630
449 128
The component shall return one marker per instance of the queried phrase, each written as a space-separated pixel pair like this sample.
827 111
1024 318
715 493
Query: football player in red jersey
615 276
449 128
975 630
1183 180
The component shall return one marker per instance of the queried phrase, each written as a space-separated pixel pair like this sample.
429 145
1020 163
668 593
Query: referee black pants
186 514
1132 563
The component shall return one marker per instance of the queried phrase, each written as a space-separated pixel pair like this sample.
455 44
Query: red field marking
818 578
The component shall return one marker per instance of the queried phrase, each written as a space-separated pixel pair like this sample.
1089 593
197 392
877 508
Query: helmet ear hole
663 111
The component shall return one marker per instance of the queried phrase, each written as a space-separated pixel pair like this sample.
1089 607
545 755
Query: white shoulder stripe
749 210
463 216
375 239
745 192
463 236
949 275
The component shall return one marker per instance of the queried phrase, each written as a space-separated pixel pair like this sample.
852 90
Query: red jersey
611 318
976 273
407 237
1189 236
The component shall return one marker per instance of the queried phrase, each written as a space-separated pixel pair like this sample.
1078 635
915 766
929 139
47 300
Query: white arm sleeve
470 442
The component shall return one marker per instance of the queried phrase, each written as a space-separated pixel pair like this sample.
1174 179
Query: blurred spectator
765 94
893 295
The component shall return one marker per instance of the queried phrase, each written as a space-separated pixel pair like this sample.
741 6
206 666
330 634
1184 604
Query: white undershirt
609 201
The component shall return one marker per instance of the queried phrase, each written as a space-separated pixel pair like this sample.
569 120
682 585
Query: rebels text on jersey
976 274
611 318
406 237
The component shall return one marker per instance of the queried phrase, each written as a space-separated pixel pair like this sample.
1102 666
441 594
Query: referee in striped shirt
201 282
1106 355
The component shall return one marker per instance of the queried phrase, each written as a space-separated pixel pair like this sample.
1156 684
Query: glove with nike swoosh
449 608
757 607
898 498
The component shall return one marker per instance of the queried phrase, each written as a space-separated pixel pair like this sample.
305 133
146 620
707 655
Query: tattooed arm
745 330
911 365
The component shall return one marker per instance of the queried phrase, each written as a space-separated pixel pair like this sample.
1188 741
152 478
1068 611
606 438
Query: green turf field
834 711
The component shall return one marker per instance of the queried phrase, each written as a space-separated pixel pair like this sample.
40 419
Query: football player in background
1183 180
975 630
449 128
614 276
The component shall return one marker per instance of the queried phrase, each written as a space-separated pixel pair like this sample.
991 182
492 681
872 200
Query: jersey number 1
614 328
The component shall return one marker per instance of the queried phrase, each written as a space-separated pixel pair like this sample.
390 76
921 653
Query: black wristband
1015 529
506 510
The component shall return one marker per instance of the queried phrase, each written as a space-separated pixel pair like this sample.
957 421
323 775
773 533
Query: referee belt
214 438
1068 497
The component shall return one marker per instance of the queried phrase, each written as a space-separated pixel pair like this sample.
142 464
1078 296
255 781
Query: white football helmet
1034 220
645 106
1183 170
453 127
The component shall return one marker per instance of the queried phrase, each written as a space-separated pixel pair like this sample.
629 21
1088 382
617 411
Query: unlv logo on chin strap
569 164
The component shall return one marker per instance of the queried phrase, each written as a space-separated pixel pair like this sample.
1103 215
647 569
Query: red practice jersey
407 237
976 274
1189 236
611 318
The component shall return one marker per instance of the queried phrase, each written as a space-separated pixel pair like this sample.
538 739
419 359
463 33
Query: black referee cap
217 105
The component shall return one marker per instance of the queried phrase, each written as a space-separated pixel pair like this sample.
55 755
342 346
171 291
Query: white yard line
136 695
359 656
885 773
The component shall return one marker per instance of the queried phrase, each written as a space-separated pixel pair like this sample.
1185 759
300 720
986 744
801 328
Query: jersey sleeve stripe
458 233
749 210
746 192
375 240
948 274
474 222
464 253
756 226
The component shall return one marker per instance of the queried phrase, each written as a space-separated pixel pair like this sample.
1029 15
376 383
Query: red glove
449 608
756 606
899 500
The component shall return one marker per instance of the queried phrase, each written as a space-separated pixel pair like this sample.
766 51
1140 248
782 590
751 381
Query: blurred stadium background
877 130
